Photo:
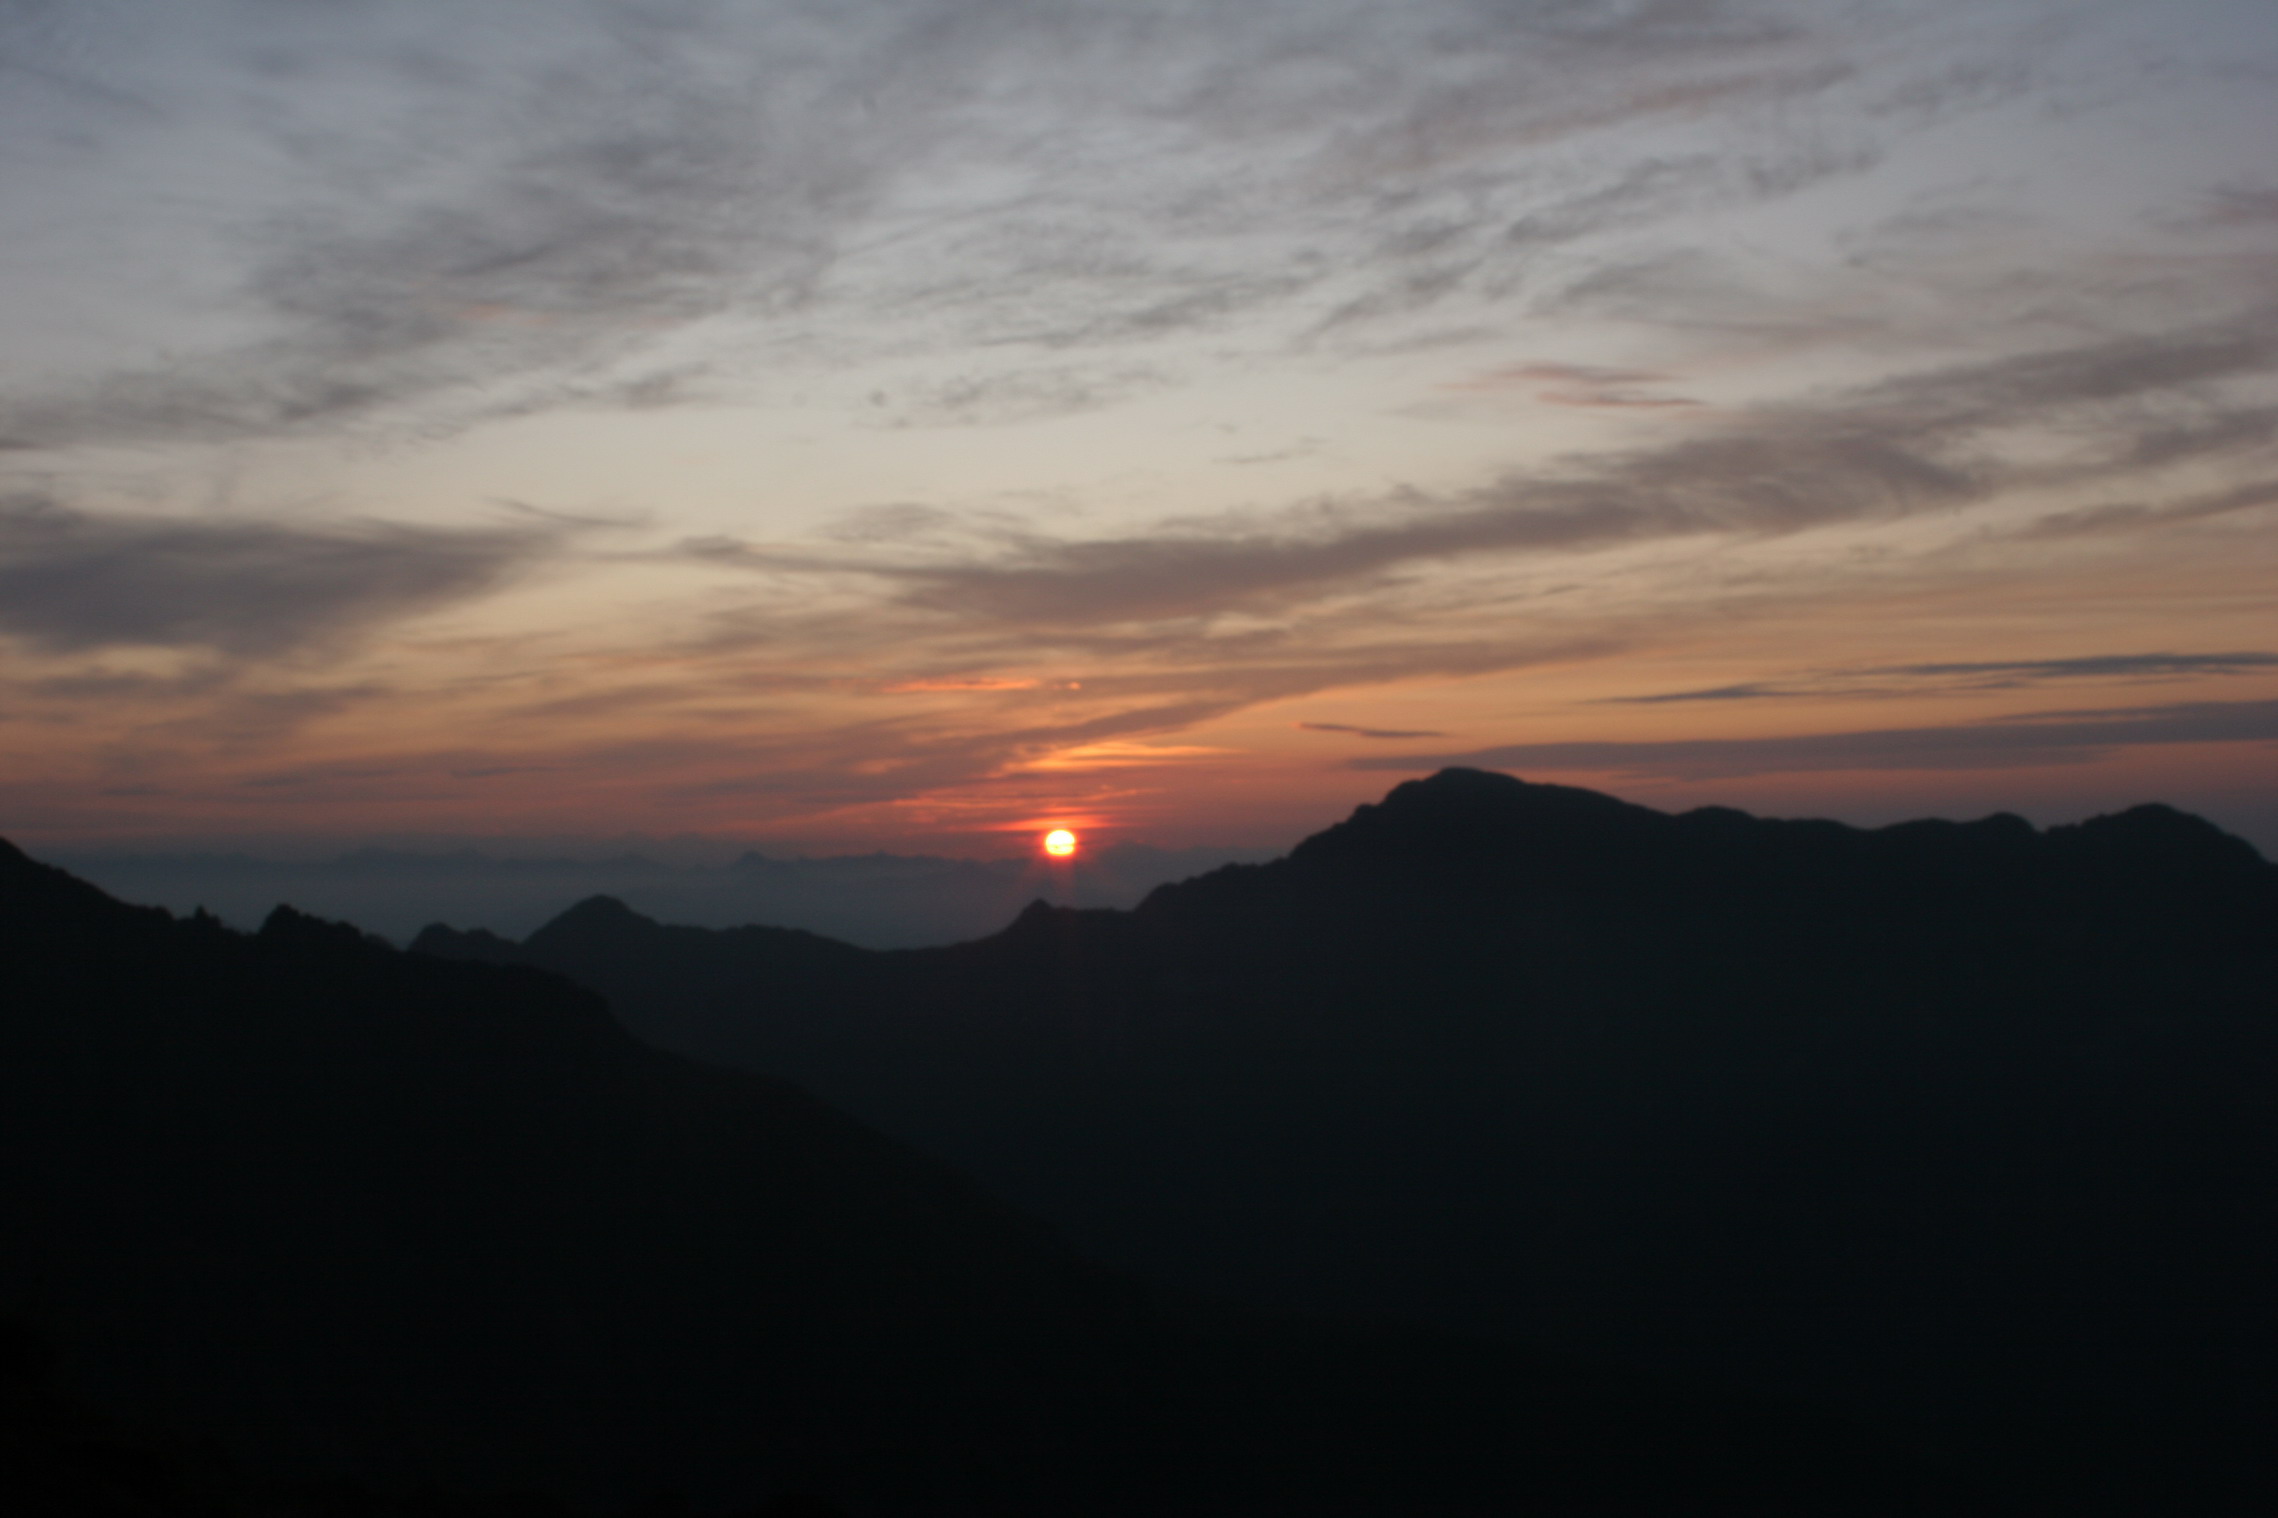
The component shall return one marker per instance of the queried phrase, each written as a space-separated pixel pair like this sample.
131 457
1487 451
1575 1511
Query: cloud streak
1883 452
72 581
1990 674
2000 743
1367 732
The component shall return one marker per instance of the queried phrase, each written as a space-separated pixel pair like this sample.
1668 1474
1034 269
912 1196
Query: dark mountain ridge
358 1214
1955 1119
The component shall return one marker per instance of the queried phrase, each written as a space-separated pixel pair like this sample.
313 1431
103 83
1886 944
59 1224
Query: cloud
2244 429
1367 732
417 222
1881 452
71 580
2240 205
1577 385
1989 674
1525 375
2136 516
474 217
1304 447
1120 753
863 737
1658 187
2005 742
1751 690
2097 666
933 684
1021 395
1513 228
1765 484
1612 399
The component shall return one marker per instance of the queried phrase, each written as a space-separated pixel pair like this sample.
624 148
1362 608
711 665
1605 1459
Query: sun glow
1059 843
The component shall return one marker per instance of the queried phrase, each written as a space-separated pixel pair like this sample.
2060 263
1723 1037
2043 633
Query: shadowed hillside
1954 1121
299 1205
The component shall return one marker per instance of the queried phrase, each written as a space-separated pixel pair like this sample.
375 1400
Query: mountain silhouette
1945 1121
348 1214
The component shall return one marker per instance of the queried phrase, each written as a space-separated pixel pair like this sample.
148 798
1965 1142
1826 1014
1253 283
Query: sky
910 424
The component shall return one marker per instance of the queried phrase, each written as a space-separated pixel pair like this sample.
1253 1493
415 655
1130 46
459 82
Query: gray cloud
1991 674
988 400
2240 205
2024 740
1434 255
1367 732
1749 690
1658 187
518 206
2113 369
2242 430
2096 666
1613 400
1882 452
479 217
1576 385
2135 516
1765 484
71 580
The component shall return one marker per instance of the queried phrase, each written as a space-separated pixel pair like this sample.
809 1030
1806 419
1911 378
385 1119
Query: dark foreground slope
354 1214
1963 1121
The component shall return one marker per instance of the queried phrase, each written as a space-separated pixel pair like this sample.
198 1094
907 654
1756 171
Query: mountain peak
2154 825
442 941
1465 814
597 918
598 911
288 924
1038 915
1507 794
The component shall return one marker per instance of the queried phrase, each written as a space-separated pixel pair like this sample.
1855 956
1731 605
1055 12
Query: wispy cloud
493 218
2005 742
1024 395
1367 732
524 211
2240 205
73 580
1990 674
2100 666
2137 516
1577 385
1881 452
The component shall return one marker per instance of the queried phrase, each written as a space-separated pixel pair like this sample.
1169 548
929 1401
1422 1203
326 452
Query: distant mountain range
306 1208
1943 1121
885 901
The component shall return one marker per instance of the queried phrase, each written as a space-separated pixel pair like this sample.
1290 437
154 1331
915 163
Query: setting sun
1059 843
